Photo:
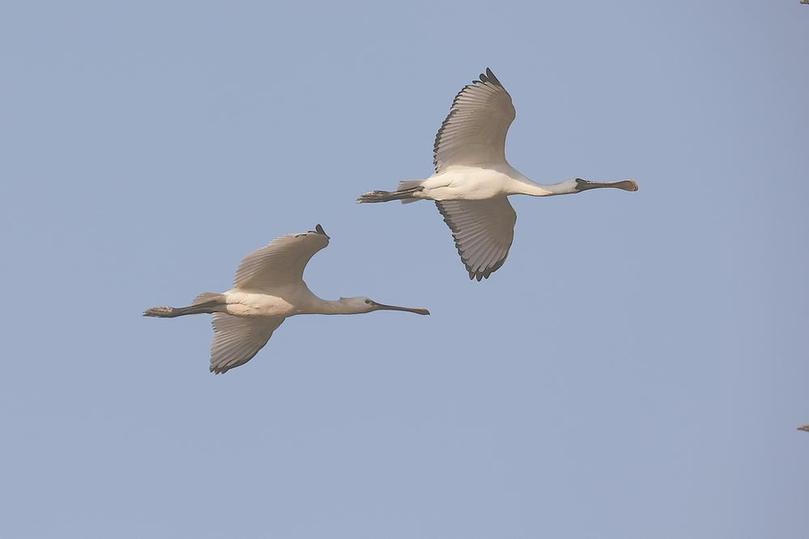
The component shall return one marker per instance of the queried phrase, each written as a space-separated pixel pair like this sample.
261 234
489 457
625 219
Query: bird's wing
281 262
474 131
483 231
237 339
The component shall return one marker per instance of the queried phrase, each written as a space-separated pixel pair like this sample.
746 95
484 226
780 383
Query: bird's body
476 183
268 288
246 303
472 178
470 183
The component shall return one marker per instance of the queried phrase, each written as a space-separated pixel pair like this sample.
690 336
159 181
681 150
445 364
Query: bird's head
367 305
584 185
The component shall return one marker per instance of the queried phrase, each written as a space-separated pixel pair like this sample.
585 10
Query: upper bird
472 178
268 288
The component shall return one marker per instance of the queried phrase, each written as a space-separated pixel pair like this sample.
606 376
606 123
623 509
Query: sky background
636 369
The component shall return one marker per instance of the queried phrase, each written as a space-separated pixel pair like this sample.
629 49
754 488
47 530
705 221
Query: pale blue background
636 369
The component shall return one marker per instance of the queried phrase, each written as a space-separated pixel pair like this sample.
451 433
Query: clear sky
636 369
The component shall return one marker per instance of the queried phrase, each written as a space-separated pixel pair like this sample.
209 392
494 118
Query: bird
267 289
804 427
473 180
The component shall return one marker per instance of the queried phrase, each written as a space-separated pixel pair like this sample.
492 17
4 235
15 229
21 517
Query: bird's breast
472 183
257 304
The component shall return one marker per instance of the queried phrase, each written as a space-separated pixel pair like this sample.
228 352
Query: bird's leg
202 307
387 196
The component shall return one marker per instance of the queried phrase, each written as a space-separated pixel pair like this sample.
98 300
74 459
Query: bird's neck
524 186
332 306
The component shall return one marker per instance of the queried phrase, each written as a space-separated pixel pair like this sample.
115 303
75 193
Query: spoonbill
268 288
472 178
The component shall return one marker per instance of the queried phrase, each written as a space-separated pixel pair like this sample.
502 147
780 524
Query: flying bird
267 289
804 427
472 179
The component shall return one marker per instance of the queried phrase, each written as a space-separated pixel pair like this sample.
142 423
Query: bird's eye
368 302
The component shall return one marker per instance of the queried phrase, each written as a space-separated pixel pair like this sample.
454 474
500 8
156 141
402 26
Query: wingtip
489 76
319 230
478 275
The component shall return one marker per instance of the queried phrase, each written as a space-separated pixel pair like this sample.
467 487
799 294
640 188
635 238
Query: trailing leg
205 303
405 193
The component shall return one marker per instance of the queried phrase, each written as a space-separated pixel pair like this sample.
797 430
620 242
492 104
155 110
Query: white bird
268 288
472 178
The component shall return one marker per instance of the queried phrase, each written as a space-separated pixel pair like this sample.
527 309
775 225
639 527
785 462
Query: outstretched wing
237 339
474 131
281 262
483 231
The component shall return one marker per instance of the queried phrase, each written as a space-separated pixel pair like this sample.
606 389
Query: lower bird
472 178
267 289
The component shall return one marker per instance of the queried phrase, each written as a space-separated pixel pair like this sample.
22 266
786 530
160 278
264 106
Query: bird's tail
405 192
207 302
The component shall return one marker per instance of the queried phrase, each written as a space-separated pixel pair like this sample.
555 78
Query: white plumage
472 178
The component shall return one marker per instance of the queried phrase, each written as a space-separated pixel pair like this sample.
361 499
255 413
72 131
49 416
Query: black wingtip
319 230
491 77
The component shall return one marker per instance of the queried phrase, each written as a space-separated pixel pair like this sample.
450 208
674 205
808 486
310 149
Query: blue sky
636 369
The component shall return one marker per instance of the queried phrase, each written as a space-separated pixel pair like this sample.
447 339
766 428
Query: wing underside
483 231
474 131
281 262
236 340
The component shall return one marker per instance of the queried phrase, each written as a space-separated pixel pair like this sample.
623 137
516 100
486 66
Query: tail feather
406 185
207 297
